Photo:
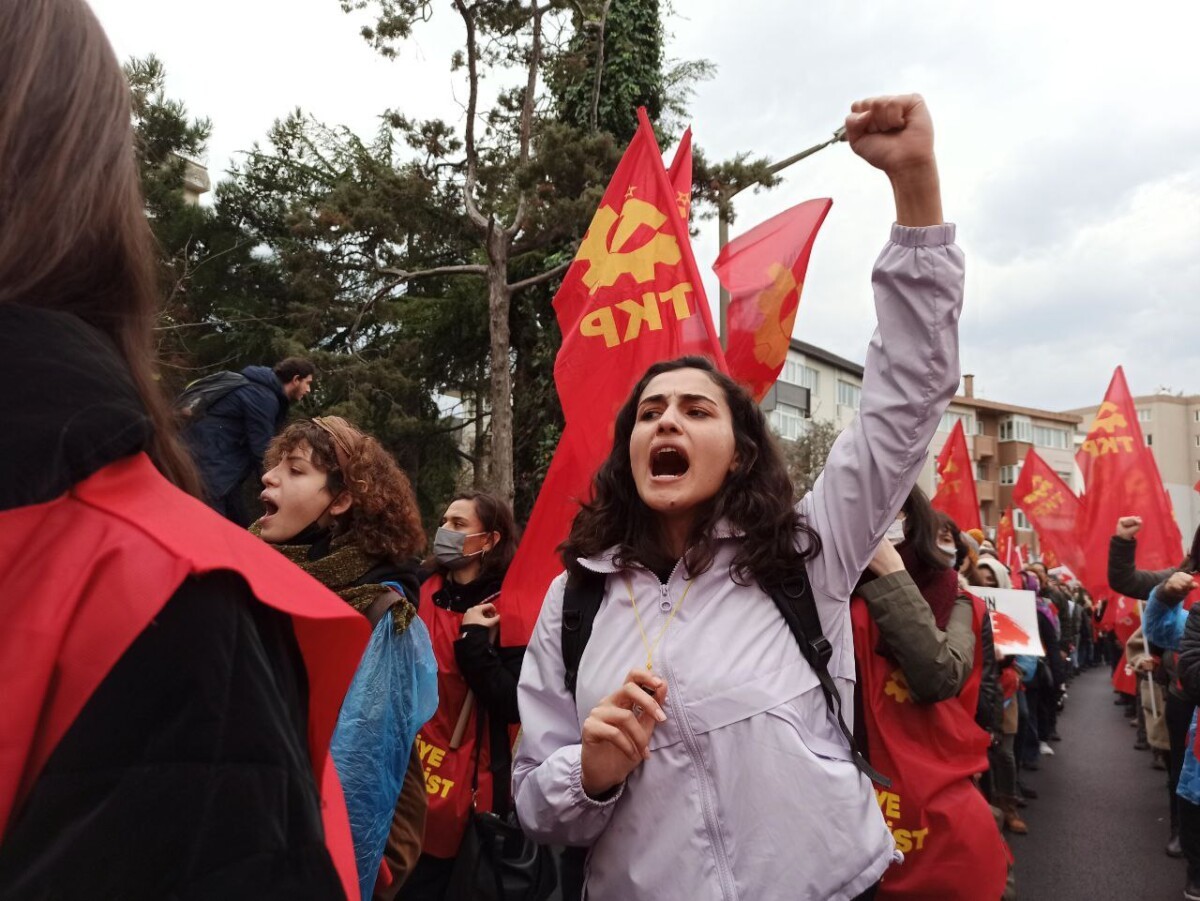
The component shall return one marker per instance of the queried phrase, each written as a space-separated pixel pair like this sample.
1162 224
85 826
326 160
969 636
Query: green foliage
806 455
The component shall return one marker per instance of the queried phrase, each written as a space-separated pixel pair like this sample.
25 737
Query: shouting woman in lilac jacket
698 758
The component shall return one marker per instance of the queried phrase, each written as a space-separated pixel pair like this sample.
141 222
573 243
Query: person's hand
616 734
1128 526
482 615
886 560
894 133
1146 665
1177 587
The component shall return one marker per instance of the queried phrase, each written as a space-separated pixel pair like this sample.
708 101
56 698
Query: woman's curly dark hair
757 499
383 515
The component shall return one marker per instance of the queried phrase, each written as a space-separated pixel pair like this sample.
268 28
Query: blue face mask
448 547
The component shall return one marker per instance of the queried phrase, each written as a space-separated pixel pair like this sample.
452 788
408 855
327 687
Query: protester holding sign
697 754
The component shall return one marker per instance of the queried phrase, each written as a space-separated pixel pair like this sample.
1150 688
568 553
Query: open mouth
270 508
668 463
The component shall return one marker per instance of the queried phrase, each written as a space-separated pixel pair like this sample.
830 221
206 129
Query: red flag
763 271
956 495
633 297
1006 539
1053 510
1122 479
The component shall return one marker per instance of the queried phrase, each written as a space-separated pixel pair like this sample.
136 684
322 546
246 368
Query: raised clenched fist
894 134
1128 526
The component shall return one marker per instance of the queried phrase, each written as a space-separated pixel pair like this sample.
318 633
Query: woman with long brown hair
697 747
170 684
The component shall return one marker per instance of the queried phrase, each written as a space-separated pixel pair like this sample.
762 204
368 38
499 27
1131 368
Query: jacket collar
605 561
70 408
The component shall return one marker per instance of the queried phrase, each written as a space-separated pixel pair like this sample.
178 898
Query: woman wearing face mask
339 507
693 749
468 741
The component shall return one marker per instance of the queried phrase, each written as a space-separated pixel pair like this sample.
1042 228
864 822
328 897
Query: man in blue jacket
228 443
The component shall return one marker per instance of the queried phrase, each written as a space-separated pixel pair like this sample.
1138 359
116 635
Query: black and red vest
108 555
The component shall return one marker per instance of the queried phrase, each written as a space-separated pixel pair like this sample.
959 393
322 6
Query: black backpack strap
581 602
796 603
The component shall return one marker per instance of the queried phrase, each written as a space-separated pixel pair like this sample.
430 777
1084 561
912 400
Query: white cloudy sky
1068 140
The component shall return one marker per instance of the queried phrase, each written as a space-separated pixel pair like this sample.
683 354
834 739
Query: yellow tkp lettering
600 322
646 311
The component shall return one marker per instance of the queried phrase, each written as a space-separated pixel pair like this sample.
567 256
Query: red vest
84 574
939 819
1126 620
448 770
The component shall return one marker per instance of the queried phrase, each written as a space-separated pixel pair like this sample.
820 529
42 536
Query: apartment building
1171 426
818 385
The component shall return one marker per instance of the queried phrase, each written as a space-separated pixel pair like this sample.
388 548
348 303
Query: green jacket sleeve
935 664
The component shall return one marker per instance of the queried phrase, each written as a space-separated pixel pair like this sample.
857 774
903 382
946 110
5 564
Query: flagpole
725 208
1149 680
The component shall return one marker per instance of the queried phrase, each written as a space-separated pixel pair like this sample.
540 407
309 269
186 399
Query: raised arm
912 361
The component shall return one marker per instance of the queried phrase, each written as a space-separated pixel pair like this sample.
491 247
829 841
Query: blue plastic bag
393 694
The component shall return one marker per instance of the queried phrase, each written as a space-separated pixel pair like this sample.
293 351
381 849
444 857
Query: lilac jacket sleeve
551 803
911 374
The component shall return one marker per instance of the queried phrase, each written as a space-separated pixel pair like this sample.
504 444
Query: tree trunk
499 299
479 476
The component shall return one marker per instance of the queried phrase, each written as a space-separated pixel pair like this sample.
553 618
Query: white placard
1014 620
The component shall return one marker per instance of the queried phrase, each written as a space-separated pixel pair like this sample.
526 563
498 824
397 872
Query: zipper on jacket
711 822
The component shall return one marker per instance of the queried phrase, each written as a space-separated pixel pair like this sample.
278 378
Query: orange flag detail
1006 539
763 271
956 496
632 297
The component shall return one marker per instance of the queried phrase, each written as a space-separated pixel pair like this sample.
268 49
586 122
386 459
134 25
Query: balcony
985 446
985 491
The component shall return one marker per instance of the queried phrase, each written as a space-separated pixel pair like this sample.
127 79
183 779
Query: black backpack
585 591
198 397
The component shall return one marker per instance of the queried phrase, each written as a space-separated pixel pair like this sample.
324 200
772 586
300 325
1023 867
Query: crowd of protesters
322 706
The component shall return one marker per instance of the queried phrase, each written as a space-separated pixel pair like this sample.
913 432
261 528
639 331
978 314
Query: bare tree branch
535 60
466 269
594 119
540 278
468 15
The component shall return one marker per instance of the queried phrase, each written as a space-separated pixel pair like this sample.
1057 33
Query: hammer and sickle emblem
1108 419
605 248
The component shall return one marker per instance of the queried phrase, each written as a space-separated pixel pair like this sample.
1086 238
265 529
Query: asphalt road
1099 825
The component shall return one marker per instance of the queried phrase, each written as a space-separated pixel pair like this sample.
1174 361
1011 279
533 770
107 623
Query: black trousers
1178 715
1189 837
428 880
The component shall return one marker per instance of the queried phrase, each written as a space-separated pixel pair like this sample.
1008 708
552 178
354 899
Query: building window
1019 520
1065 476
978 426
980 471
797 372
1010 474
1196 416
788 421
1196 439
1045 436
1143 415
1198 466
1149 440
1016 428
848 395
949 418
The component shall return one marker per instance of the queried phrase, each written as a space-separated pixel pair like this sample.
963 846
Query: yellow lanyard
675 608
